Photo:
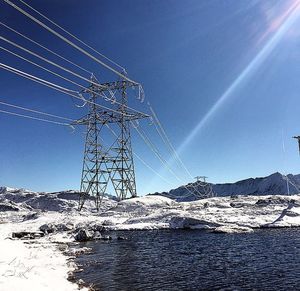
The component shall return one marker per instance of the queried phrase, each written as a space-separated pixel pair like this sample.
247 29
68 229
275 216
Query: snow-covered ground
40 263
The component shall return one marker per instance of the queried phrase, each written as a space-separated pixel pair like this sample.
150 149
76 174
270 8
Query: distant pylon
298 138
203 187
201 178
114 163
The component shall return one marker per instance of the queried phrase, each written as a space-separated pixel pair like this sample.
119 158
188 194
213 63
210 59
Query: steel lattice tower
114 163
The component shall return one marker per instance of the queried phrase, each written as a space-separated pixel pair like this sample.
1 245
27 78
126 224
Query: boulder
27 235
97 235
84 235
30 216
48 228
121 238
179 222
64 227
106 237
96 227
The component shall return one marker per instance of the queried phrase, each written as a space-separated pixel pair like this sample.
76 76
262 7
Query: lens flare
286 20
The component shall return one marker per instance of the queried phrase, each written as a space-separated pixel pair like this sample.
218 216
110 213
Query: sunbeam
286 21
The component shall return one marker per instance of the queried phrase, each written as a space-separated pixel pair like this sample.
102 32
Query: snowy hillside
64 201
273 184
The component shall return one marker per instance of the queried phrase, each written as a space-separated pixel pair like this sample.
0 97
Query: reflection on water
195 260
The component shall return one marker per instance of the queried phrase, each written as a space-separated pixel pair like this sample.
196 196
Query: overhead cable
45 48
35 111
158 155
142 160
55 87
68 41
72 35
67 70
48 61
34 118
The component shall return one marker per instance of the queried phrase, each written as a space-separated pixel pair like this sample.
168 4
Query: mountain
270 185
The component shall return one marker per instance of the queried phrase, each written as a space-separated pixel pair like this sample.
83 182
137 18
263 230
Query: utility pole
113 163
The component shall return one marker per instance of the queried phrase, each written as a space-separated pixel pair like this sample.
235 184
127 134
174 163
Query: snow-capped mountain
270 185
273 184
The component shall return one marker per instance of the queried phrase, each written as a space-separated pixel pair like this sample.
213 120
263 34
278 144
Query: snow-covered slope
64 201
273 184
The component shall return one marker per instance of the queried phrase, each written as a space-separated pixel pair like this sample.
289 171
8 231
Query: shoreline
47 263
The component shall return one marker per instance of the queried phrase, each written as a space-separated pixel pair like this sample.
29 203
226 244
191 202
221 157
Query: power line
68 41
156 152
39 80
45 48
142 160
35 111
161 132
48 61
166 140
41 67
54 86
72 35
62 68
34 118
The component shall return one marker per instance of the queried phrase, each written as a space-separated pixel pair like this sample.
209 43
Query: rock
83 235
97 235
108 223
81 251
27 235
96 227
30 216
64 227
79 226
240 204
106 237
273 201
2 190
121 238
191 223
7 207
291 213
48 228
232 229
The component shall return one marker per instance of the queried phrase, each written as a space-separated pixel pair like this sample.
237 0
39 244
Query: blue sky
187 55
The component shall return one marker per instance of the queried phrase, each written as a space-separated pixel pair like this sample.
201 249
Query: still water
195 260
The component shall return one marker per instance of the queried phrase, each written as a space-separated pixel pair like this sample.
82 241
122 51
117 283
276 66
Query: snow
34 266
40 264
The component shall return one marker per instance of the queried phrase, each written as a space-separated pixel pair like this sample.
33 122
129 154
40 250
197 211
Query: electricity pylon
298 139
114 163
204 188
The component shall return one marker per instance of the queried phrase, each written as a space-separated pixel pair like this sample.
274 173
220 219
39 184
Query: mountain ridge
274 184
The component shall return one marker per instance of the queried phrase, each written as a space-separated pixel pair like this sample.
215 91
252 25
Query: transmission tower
204 188
298 139
114 163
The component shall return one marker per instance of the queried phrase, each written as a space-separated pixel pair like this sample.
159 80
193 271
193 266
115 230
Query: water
195 260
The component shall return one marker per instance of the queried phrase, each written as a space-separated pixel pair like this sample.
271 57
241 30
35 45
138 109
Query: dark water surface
195 260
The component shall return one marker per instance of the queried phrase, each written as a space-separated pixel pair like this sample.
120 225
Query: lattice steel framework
298 139
114 163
